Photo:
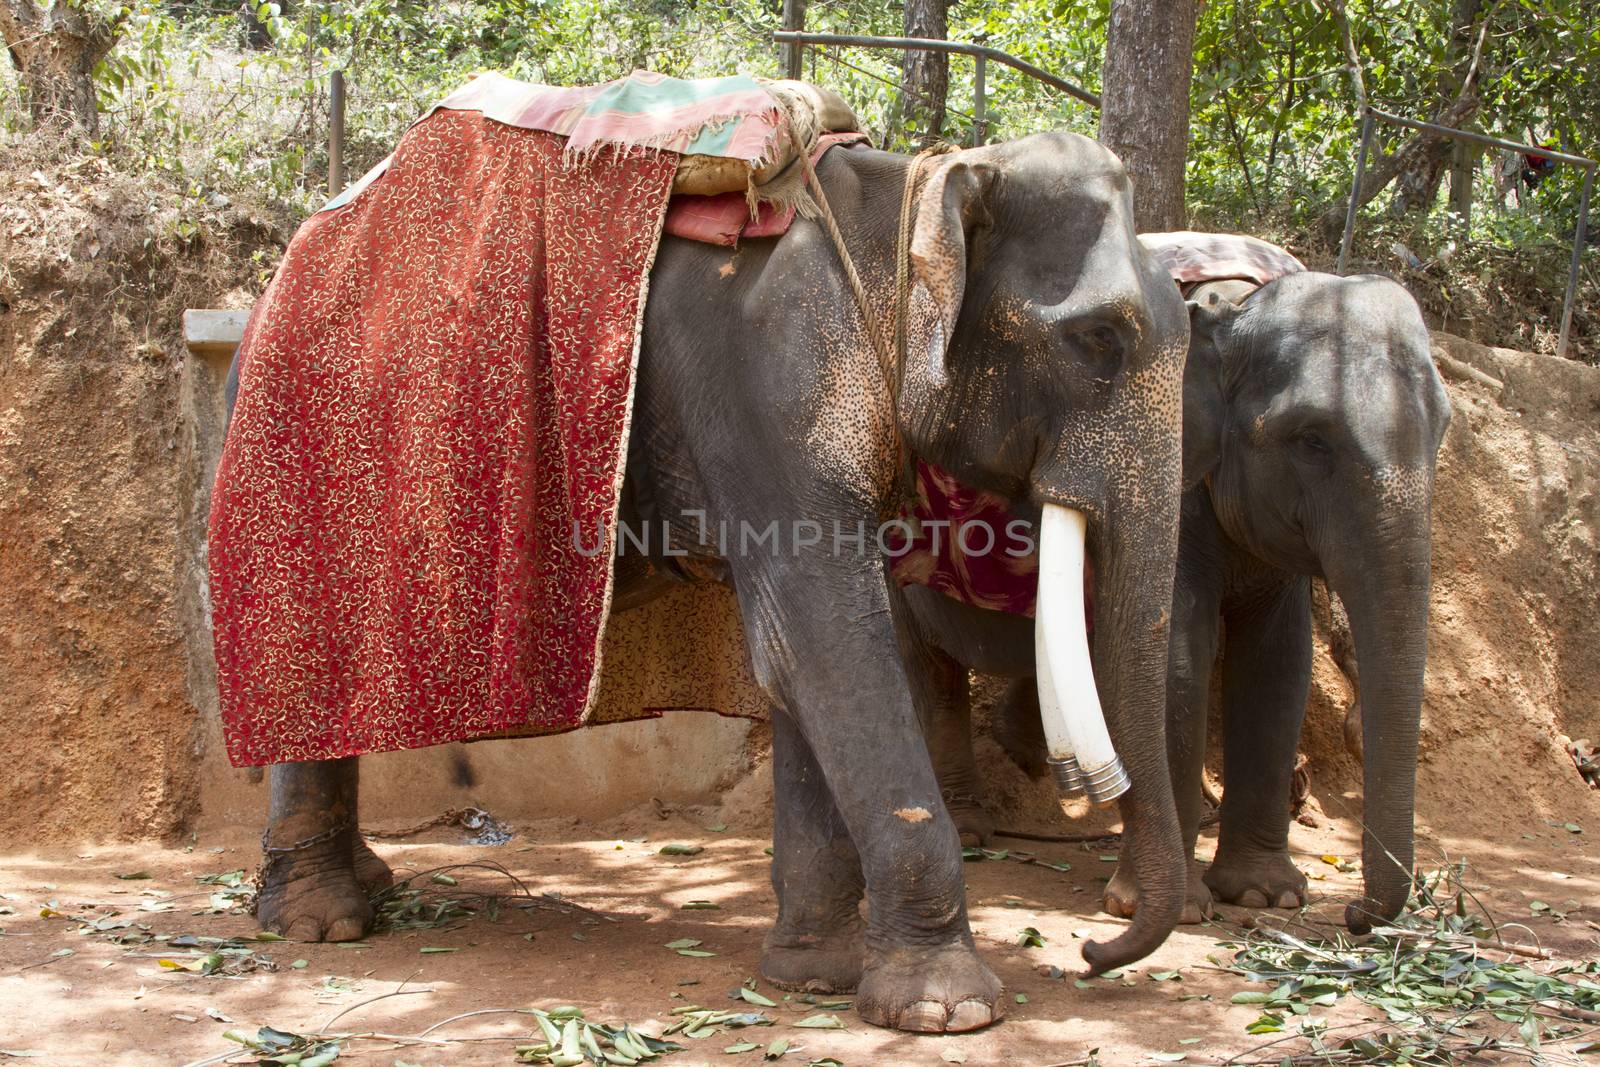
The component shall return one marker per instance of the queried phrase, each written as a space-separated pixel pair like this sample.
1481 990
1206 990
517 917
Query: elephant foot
972 819
1257 880
929 990
812 964
1122 897
372 874
314 895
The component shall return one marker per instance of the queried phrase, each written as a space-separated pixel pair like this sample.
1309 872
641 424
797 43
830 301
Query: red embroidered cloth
434 390
966 543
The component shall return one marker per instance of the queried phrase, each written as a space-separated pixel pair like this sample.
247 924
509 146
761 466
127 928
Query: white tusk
1080 752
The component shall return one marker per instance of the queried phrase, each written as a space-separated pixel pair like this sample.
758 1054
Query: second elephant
1313 417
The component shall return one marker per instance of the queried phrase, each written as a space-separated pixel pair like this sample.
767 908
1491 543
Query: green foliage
1432 974
234 102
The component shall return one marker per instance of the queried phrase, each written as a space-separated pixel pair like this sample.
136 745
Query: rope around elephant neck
890 350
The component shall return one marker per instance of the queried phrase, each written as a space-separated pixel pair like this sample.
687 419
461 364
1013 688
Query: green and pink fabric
732 117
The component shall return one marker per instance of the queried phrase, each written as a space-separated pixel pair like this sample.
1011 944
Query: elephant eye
1104 346
1313 444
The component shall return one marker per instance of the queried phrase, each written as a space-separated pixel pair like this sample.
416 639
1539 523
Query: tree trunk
1463 168
926 75
1417 184
55 51
1144 113
1381 170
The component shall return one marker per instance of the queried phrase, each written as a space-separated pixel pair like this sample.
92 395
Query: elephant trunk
1133 596
1388 609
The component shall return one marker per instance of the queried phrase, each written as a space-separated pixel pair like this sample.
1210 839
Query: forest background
231 104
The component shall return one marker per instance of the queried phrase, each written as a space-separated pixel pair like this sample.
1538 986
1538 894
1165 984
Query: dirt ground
106 1003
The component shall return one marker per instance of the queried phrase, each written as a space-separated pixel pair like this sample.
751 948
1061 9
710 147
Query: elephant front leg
816 945
315 862
1266 676
825 645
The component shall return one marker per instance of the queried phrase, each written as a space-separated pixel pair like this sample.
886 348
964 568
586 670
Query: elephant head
1046 355
1314 411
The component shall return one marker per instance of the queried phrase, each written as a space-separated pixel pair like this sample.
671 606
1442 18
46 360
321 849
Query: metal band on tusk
1067 774
1107 783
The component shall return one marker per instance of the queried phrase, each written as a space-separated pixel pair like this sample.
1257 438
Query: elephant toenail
971 1015
1252 898
349 928
1288 899
924 1017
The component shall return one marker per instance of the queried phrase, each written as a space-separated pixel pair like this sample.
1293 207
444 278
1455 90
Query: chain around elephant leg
308 887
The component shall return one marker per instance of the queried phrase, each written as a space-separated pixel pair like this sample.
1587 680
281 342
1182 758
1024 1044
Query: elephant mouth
1079 751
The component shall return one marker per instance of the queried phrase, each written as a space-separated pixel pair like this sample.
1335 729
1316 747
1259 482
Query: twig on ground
398 991
1533 951
470 1014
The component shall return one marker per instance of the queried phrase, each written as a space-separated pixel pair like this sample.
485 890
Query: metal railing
981 55
1371 115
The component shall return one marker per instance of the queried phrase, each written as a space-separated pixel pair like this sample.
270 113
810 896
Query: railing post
794 18
980 114
1355 192
336 133
1577 260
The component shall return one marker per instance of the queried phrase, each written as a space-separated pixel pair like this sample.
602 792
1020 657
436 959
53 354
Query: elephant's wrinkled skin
757 400
1314 415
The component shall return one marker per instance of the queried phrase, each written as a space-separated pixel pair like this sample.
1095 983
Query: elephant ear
1210 335
953 204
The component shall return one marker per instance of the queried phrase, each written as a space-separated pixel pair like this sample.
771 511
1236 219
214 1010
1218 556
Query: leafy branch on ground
1434 975
434 899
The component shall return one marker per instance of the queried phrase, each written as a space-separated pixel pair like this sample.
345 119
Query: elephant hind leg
948 727
1017 727
816 945
309 886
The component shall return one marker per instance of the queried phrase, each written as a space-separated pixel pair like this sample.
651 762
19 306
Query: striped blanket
733 118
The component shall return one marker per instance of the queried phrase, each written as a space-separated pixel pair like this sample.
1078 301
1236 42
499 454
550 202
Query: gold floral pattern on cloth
434 389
